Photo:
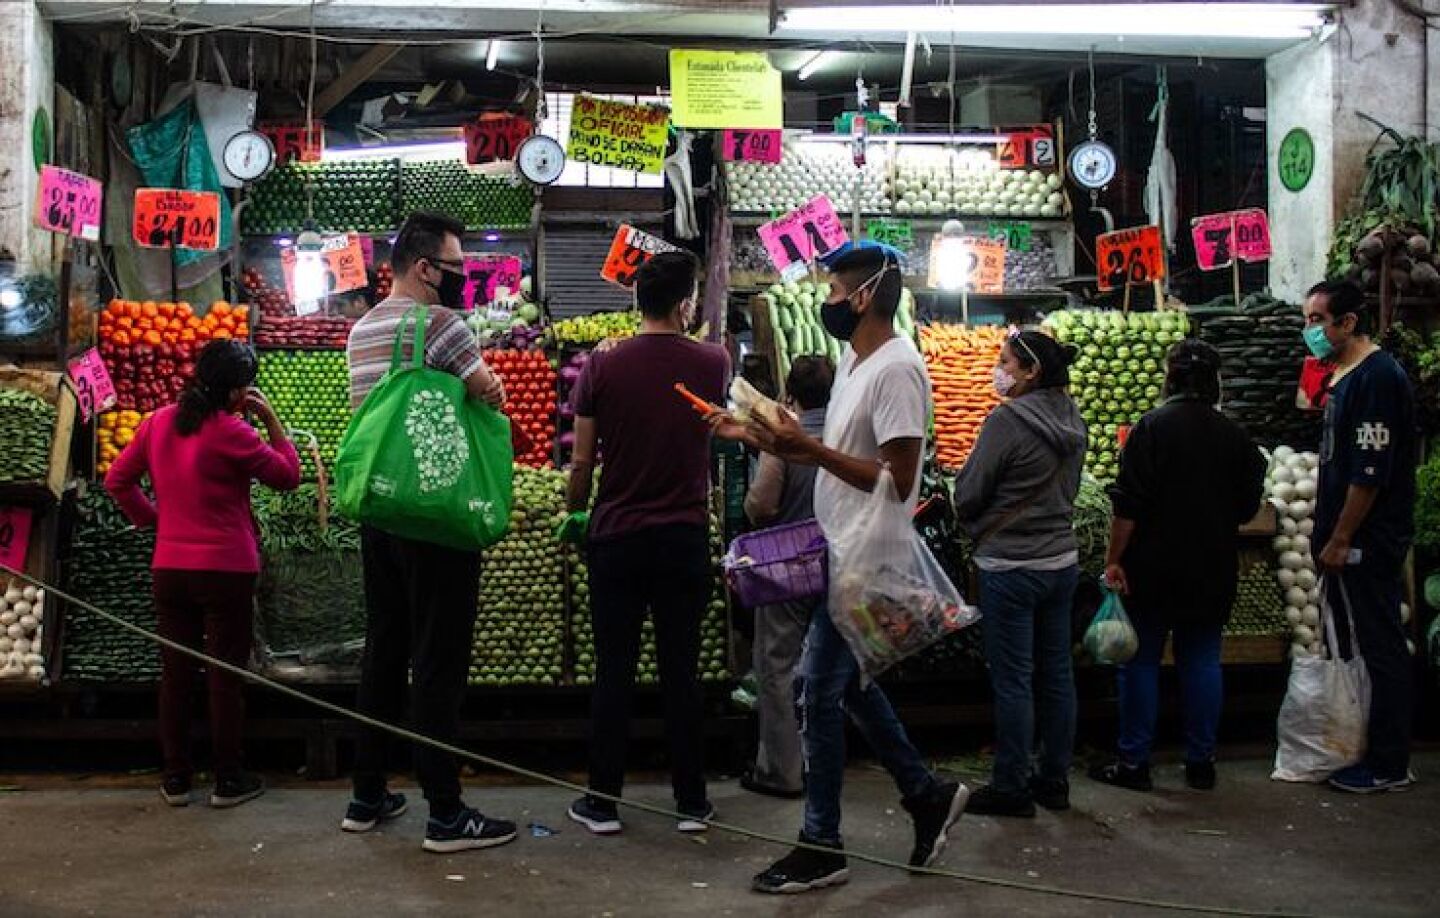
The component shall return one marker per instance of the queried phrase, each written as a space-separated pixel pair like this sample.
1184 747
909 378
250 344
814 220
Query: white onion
1283 543
22 646
1293 615
30 593
1302 544
1283 452
1288 526
1286 577
1304 634
1300 651
1284 491
1292 560
1300 509
1306 527
1296 597
1305 489
1305 579
1310 615
1283 475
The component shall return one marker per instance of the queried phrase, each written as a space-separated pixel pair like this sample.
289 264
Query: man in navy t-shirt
1364 517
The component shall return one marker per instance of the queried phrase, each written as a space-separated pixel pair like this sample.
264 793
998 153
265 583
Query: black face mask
839 319
451 289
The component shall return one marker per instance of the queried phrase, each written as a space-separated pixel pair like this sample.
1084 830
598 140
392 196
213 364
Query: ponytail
222 367
194 407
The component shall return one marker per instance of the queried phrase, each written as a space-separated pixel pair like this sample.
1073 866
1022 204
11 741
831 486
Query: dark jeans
213 611
1197 657
1027 647
1375 595
420 605
827 689
664 571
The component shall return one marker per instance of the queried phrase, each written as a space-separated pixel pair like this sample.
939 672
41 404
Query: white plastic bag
1326 711
889 597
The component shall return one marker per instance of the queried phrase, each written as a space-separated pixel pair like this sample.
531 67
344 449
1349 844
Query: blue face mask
1319 345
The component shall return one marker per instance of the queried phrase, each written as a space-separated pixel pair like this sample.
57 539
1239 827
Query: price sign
94 390
69 203
292 141
1222 238
14 536
495 137
899 233
967 263
751 146
367 248
804 234
486 274
171 218
1013 152
343 263
1129 256
630 249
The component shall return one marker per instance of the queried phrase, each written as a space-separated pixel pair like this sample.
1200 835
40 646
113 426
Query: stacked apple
530 401
280 327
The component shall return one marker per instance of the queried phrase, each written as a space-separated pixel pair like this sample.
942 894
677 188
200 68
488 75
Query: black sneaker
362 816
1200 775
236 789
987 801
803 870
470 829
696 818
933 815
176 791
1052 795
1118 774
599 816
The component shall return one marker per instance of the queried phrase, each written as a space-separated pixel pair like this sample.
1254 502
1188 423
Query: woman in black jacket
1189 479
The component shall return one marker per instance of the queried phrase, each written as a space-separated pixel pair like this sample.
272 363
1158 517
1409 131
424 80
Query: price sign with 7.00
486 274
1129 256
1222 238
752 146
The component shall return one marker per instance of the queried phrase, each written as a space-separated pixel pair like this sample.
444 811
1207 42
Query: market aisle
1256 844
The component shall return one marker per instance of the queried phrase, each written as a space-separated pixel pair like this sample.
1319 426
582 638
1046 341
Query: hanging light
814 63
492 57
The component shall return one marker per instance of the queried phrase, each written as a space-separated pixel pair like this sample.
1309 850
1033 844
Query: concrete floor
85 846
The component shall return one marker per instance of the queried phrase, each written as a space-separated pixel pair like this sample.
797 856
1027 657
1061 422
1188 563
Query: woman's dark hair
1033 348
1192 369
222 367
810 381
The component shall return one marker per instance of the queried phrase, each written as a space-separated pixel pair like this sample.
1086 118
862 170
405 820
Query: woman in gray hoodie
1016 497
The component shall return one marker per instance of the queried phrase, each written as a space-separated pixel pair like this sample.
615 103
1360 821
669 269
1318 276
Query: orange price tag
630 249
493 136
171 218
1129 256
344 261
968 263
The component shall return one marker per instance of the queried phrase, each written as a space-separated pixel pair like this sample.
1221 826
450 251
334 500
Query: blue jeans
1197 656
1027 647
828 688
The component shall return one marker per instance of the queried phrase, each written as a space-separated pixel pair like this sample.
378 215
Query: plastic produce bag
1322 723
421 460
889 597
1111 638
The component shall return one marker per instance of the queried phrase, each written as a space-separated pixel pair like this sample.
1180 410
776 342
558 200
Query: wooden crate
51 387
764 336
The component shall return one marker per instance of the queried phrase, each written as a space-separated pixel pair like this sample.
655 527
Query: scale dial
1092 164
540 160
249 155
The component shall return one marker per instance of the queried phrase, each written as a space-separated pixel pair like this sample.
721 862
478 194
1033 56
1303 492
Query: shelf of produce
46 489
752 219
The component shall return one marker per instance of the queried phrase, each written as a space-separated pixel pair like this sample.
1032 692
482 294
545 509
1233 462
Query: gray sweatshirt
1016 456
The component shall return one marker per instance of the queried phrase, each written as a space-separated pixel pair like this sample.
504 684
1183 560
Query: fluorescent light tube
493 55
816 60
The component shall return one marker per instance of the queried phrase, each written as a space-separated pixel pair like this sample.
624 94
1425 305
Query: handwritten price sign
495 137
486 274
752 146
69 203
1129 256
1222 238
344 261
94 390
968 263
1030 147
170 218
630 249
804 234
293 141
14 536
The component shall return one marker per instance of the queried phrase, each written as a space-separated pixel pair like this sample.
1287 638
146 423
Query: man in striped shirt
421 599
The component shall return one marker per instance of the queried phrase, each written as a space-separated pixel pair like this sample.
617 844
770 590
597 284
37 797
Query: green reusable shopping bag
423 461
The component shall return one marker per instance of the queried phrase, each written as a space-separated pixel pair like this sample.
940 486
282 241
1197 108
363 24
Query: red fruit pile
384 281
280 327
150 348
530 401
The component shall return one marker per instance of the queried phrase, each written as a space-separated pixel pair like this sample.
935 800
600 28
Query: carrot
699 404
960 362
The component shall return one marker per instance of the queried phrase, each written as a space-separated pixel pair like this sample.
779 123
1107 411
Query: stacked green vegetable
1118 375
1262 352
794 313
1259 606
310 391
1092 525
588 330
348 196
29 424
520 632
109 567
476 200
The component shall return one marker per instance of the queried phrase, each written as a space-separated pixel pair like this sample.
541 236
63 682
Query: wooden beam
353 76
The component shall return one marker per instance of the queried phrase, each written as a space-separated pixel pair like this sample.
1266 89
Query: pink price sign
760 146
1222 238
486 274
804 234
69 203
94 390
14 536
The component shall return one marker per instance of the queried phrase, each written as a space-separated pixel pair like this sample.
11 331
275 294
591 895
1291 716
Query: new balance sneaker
469 829
1119 774
599 816
933 815
695 818
1200 775
804 869
1052 795
1362 779
176 791
989 801
362 815
233 790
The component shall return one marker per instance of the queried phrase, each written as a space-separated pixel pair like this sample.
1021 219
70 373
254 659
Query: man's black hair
1345 298
810 381
1192 368
421 236
1033 347
859 265
664 281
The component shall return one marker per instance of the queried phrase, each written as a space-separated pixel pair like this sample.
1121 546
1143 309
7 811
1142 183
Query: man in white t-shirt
879 408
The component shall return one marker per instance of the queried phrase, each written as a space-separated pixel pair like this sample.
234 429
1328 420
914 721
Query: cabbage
1111 640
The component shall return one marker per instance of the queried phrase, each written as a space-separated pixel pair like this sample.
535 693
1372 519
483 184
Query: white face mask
1004 382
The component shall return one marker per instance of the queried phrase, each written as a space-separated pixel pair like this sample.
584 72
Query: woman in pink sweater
201 458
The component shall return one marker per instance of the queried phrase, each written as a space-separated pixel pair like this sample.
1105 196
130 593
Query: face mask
1318 343
451 289
839 319
1004 381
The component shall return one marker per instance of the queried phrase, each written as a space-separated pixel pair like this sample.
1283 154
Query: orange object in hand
699 404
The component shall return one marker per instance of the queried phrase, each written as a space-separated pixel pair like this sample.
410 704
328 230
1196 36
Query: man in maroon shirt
648 534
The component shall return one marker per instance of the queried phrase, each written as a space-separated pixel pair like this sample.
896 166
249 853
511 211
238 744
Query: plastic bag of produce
1111 638
1323 719
422 461
889 597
